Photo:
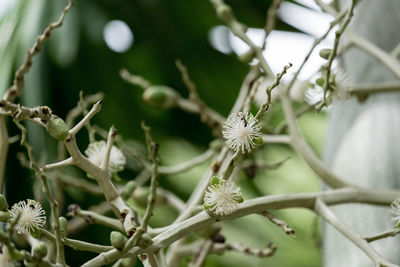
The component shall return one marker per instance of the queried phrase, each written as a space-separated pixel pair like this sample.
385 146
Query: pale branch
187 165
152 148
270 21
80 183
60 256
391 63
283 125
257 205
134 79
251 94
385 234
61 164
333 53
303 149
322 210
18 84
77 224
219 248
396 51
317 41
368 88
251 77
276 139
95 109
201 255
280 223
4 143
225 13
83 105
264 107
92 217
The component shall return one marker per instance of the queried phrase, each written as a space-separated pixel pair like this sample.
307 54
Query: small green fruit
57 128
325 53
40 251
117 240
160 96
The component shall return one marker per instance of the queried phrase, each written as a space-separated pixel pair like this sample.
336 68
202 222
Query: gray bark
363 141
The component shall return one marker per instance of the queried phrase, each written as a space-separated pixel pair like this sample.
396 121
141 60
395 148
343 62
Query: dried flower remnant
31 216
240 131
96 153
222 197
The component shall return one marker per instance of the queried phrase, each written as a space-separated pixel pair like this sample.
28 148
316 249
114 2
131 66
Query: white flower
396 210
96 153
222 197
5 258
342 85
31 217
240 130
314 95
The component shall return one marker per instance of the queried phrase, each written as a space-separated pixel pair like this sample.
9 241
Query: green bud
128 190
40 251
57 128
3 203
246 57
320 81
62 221
215 180
216 144
145 241
258 141
140 196
160 96
224 13
118 240
325 53
128 262
4 216
35 232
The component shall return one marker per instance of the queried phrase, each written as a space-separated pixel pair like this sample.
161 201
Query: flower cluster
30 216
240 131
96 153
222 197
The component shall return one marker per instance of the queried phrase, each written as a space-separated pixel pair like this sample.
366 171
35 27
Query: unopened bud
320 81
3 203
258 141
40 251
325 53
4 216
160 96
215 180
117 240
57 128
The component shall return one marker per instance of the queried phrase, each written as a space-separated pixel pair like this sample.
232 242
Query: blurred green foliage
76 58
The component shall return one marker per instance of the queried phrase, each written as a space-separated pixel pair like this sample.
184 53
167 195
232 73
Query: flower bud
4 216
325 53
160 96
35 232
145 241
128 190
258 141
57 128
40 251
63 226
127 262
320 81
3 203
215 180
118 240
